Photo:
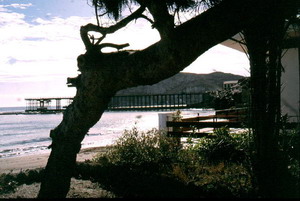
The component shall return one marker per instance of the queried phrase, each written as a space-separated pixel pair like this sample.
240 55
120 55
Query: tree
264 41
103 74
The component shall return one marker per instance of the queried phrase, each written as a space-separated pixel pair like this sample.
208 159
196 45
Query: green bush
9 182
135 148
225 180
225 146
289 144
151 157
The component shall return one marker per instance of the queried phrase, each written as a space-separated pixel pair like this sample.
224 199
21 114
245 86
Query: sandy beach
16 164
78 189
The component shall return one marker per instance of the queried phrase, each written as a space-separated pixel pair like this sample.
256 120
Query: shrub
7 183
153 161
225 146
225 180
289 144
135 148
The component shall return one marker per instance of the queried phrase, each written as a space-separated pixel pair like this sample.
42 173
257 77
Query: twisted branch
107 30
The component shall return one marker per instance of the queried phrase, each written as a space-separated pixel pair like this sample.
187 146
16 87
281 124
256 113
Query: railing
200 126
155 102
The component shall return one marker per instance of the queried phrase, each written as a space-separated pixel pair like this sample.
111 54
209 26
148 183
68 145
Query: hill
183 83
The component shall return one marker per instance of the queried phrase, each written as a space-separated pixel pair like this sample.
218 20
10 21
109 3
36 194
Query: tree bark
86 109
103 74
264 43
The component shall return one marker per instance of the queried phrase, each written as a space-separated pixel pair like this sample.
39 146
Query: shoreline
34 161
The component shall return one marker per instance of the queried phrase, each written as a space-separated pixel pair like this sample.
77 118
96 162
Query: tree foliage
114 8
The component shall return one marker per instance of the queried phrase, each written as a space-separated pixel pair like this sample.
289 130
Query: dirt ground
78 189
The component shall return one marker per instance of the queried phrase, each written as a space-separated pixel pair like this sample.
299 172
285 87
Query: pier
121 103
44 105
155 102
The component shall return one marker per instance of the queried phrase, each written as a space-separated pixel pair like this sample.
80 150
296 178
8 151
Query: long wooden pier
156 102
121 103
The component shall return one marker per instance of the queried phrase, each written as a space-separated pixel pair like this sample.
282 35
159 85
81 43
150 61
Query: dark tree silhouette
265 42
104 74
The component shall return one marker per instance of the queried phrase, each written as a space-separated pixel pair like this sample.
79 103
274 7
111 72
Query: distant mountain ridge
184 83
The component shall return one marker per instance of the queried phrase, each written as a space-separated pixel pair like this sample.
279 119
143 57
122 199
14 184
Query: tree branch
96 13
147 18
107 30
118 47
163 21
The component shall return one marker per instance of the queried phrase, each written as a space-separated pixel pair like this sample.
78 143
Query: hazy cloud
52 45
6 8
42 49
19 5
12 60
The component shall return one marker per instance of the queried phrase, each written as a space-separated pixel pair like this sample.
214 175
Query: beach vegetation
235 147
289 145
153 162
150 164
9 182
236 96
141 149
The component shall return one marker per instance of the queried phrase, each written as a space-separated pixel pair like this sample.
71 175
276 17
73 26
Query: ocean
29 134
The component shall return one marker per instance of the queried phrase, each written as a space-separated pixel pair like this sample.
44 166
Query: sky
40 42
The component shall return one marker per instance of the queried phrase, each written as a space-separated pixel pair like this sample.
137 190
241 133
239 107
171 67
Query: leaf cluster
114 8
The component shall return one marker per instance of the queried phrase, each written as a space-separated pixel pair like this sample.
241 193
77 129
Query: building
290 96
230 84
